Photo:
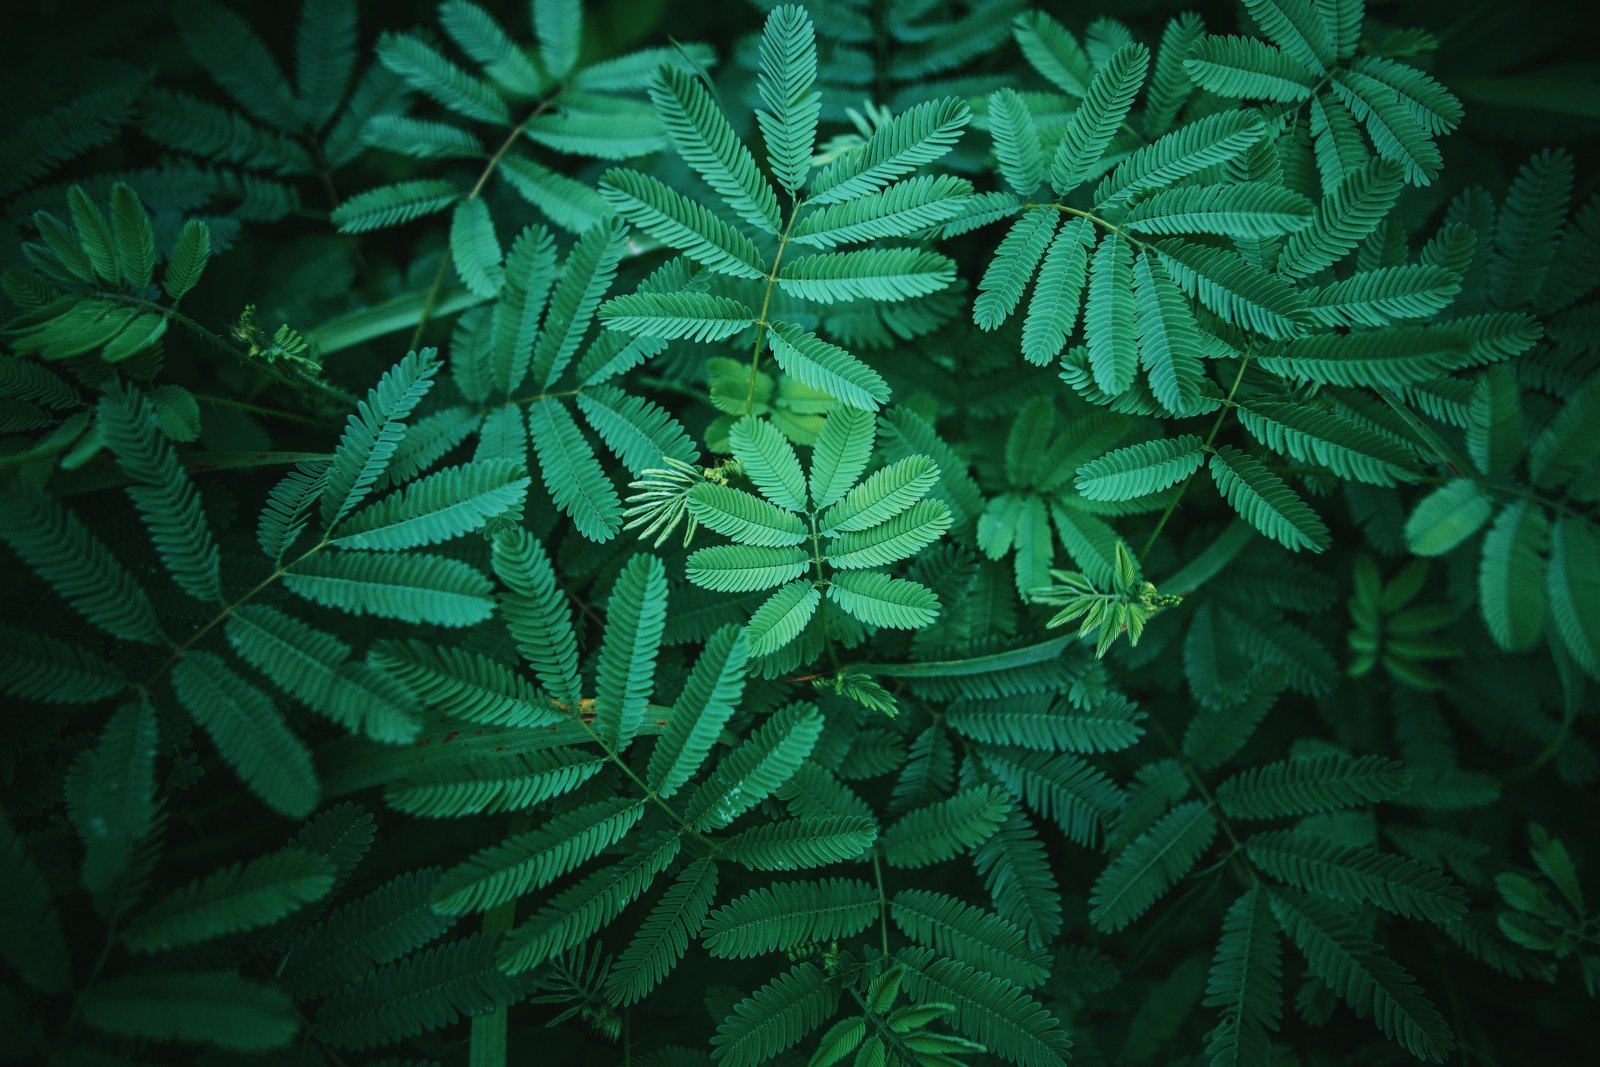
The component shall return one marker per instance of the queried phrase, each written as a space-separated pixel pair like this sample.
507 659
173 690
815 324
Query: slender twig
766 302
477 187
1216 427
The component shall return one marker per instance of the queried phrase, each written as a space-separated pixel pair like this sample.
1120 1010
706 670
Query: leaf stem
1216 427
477 187
766 302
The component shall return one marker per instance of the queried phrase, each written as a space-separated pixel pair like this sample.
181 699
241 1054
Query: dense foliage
850 531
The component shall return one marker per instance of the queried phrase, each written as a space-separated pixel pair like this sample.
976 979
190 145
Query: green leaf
217 1008
536 613
797 844
240 897
1096 121
1265 501
475 249
364 934
188 260
394 204
536 858
781 618
1446 517
116 806
636 614
902 209
1141 469
878 274
842 450
431 74
882 496
708 699
1008 274
1213 141
787 76
769 461
1494 429
426 991
789 914
1528 228
945 829
34 666
970 935
509 782
1110 318
166 499
1511 576
1151 865
559 25
1357 969
699 317
56 545
1237 290
589 270
917 136
1301 785
1169 340
1353 211
901 537
766 760
706 141
679 222
136 244
415 587
1357 874
1246 210
664 935
1053 52
249 732
1249 69
775 1017
1004 1020
1246 983
572 474
1016 141
879 600
442 506
1053 311
1572 586
314 666
373 432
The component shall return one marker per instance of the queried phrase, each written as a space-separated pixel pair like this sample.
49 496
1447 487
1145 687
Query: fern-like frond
1357 874
1006 1021
675 220
1362 974
946 828
664 935
1096 121
240 897
790 914
636 613
775 1017
879 274
1302 785
1141 469
249 732
706 141
537 615
1265 501
956 929
761 764
1245 983
1151 865
788 74
917 136
425 991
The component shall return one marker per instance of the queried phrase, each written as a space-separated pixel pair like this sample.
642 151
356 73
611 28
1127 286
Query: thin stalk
477 187
766 302
1216 427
